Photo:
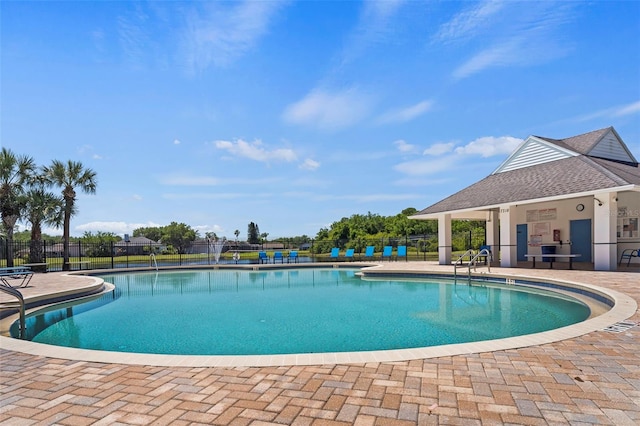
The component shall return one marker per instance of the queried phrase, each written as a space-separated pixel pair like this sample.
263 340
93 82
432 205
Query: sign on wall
627 223
539 215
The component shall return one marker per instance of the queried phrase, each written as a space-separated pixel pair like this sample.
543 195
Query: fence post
112 254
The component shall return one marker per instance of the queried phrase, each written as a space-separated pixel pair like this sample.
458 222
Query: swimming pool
293 311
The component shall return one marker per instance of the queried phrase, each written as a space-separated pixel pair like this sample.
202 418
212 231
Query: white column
492 233
605 242
508 237
444 239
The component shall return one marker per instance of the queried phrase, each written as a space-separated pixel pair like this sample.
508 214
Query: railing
15 293
152 257
117 255
473 261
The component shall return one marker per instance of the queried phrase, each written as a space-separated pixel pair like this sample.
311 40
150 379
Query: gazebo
579 195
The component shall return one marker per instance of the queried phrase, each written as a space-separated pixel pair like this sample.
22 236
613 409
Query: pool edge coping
624 307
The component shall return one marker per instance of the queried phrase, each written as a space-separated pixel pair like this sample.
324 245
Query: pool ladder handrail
473 261
152 256
18 295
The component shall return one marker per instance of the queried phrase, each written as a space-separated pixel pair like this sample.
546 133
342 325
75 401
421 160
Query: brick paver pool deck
590 379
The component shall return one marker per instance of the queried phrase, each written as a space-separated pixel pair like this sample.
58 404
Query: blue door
580 236
521 241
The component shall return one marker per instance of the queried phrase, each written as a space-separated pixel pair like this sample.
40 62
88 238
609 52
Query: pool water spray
216 247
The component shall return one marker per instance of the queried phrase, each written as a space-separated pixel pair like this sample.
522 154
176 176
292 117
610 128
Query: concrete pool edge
623 308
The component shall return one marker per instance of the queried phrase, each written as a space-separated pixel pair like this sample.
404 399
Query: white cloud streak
373 27
255 151
490 146
513 33
404 147
118 228
329 110
309 164
613 112
222 32
469 22
439 148
406 114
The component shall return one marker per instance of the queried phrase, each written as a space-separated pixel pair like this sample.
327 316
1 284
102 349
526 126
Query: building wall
543 218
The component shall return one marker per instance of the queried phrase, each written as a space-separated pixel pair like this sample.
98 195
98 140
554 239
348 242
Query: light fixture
599 202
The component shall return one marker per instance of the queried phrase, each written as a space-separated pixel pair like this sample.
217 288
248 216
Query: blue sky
293 115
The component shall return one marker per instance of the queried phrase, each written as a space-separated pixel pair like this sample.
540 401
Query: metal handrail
15 293
152 256
472 261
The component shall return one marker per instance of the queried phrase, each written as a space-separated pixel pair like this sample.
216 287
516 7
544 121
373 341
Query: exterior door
521 241
580 236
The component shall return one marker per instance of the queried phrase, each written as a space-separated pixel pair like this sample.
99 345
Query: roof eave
465 213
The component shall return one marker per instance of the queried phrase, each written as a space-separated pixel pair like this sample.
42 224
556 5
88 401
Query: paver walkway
592 379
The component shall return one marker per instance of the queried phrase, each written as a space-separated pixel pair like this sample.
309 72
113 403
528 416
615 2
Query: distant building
137 246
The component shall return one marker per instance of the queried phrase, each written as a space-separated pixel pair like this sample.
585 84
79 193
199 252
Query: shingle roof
581 144
556 178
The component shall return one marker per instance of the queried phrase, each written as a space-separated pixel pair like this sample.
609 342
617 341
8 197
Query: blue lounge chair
368 253
628 254
277 257
402 252
262 257
484 257
348 255
386 252
293 257
335 253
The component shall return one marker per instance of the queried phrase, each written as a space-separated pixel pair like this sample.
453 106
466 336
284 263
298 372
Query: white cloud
403 146
632 108
203 229
425 167
309 164
469 22
406 114
255 151
439 148
221 32
374 26
489 146
328 110
617 111
119 228
190 180
176 142
511 33
499 55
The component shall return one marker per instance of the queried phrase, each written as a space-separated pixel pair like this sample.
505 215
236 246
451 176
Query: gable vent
611 148
531 153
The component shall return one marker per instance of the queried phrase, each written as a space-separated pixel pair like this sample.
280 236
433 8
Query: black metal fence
48 255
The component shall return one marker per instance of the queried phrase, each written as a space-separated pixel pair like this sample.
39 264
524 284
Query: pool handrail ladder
473 261
18 295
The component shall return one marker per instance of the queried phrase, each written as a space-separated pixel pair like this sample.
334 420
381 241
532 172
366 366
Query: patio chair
386 252
335 253
348 255
262 257
629 254
484 257
277 257
402 252
369 251
293 257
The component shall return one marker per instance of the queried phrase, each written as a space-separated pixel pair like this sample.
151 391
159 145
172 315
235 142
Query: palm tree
42 207
15 173
69 176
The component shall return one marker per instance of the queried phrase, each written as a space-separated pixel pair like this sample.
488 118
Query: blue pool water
234 312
